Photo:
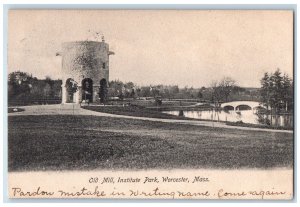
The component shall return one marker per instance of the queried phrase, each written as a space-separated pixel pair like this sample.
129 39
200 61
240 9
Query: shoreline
70 109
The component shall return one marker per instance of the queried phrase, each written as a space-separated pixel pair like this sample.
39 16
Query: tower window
103 65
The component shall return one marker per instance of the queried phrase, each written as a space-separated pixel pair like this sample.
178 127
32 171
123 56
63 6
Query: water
246 116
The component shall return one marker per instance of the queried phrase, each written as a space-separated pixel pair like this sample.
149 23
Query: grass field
241 124
139 111
66 142
133 110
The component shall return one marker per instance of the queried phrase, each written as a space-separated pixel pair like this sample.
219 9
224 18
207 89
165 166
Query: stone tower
85 64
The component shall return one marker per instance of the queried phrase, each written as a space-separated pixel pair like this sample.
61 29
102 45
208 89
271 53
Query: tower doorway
71 88
87 90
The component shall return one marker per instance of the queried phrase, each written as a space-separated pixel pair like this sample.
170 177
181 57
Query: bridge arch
228 108
241 105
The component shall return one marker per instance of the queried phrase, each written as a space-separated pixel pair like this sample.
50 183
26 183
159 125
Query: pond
246 116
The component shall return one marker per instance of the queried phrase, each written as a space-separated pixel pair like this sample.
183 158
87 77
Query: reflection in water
246 116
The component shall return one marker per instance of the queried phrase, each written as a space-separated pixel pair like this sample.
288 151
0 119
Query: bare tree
221 89
227 84
216 92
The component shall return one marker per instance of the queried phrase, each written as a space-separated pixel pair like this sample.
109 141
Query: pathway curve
70 109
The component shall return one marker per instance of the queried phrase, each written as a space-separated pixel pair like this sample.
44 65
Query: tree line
277 92
25 89
220 91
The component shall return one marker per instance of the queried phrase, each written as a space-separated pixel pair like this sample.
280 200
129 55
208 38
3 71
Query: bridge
241 105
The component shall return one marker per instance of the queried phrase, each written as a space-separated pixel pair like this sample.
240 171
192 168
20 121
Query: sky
173 47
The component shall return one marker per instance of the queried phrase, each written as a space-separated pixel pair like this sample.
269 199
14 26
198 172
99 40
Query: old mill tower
85 64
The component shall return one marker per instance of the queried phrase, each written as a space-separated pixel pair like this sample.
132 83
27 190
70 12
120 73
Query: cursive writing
19 192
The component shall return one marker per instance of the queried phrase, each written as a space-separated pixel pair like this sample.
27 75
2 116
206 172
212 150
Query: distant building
86 64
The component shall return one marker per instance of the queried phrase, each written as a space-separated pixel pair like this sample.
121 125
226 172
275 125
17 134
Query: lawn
66 142
241 124
134 110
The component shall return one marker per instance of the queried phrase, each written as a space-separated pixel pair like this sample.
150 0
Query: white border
161 2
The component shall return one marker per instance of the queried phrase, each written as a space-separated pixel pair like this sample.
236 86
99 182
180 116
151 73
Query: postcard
151 104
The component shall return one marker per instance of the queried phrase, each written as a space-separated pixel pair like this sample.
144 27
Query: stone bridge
241 105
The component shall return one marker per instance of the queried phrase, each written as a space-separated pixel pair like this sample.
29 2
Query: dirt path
69 109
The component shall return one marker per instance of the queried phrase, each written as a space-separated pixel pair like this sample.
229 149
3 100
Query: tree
138 91
288 92
129 85
277 91
200 95
216 92
173 91
222 89
19 85
23 88
47 90
115 88
145 91
155 91
227 84
265 90
50 84
132 94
